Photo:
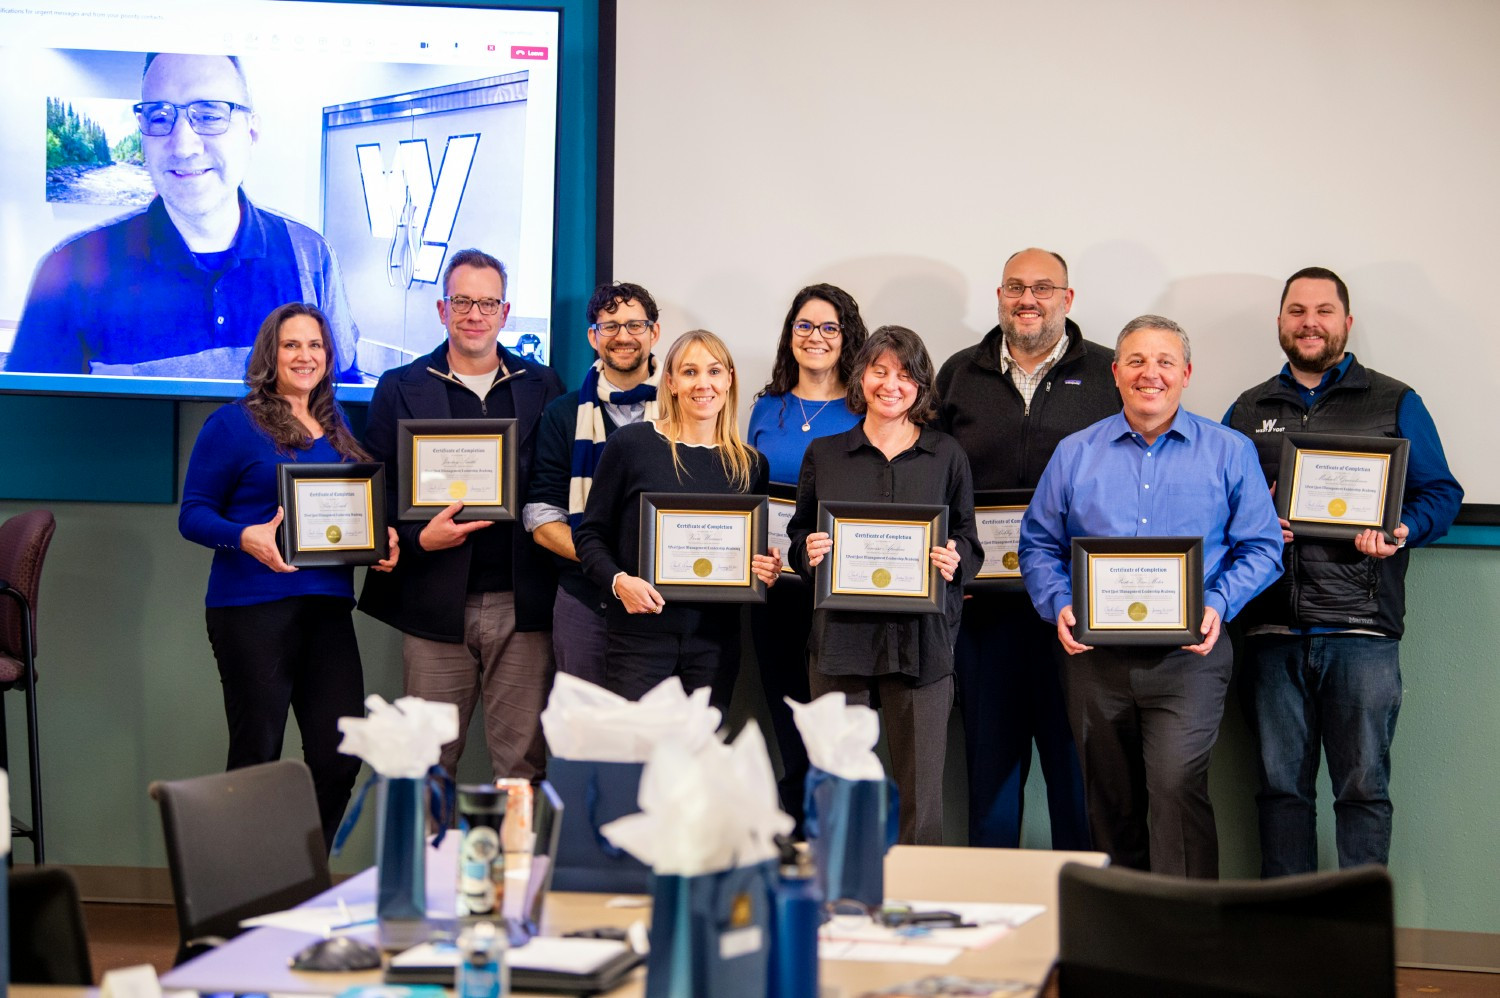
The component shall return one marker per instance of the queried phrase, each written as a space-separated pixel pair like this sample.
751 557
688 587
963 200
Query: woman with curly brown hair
282 636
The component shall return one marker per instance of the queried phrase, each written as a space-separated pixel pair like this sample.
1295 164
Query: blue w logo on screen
411 208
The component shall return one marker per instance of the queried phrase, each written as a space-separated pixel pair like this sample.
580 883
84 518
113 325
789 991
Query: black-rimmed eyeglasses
635 327
461 304
206 117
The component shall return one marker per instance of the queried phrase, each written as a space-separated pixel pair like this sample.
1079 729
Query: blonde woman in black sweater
694 447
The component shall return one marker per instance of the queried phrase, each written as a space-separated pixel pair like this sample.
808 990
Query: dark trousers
635 662
298 652
1010 694
915 719
1146 720
578 638
780 627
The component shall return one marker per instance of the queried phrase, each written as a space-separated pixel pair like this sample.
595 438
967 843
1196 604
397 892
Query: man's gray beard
1044 339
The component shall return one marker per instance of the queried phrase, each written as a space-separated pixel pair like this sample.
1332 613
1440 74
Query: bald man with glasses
180 288
1009 400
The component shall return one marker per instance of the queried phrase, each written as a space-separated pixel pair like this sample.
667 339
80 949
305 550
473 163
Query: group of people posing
1124 733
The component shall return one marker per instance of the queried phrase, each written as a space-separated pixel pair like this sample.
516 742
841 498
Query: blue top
1199 479
1433 496
777 432
130 298
231 485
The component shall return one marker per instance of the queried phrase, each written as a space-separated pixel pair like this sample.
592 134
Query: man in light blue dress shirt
1146 718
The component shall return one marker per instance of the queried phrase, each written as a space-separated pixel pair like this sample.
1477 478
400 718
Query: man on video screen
180 288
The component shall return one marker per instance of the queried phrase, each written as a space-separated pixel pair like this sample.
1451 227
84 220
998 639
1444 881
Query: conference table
258 960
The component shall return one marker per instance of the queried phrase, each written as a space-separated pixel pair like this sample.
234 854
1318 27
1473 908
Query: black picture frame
411 432
1395 451
747 588
1089 552
828 591
781 495
370 475
998 577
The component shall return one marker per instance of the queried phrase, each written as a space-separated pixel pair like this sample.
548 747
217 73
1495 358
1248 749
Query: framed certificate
697 547
1332 485
442 461
334 514
1138 590
881 557
782 504
998 514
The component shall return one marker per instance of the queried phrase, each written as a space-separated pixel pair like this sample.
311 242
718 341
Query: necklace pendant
806 427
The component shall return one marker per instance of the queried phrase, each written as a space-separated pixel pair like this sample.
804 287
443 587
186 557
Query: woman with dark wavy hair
282 636
899 662
804 399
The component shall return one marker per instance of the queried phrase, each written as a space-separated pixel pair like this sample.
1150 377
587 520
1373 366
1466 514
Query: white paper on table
548 953
993 922
565 955
886 952
323 920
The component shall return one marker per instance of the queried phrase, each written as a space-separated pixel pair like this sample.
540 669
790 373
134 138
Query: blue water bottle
482 972
794 950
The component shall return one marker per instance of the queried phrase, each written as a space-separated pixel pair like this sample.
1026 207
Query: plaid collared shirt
1026 383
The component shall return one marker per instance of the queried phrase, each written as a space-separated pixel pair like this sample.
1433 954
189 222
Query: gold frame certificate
1336 486
997 516
881 558
334 514
697 547
443 461
1138 590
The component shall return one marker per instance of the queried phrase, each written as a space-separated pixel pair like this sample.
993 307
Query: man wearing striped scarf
620 388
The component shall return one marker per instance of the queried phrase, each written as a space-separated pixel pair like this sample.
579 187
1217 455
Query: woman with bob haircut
693 447
282 636
805 399
901 663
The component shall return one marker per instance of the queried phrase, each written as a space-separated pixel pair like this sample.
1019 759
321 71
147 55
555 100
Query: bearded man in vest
1321 661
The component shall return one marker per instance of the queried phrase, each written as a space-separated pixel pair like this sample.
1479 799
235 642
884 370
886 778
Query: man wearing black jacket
1009 400
473 600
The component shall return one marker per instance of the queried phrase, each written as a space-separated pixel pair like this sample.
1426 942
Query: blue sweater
231 485
777 432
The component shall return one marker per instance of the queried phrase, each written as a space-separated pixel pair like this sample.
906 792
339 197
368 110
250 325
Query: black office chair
24 539
1321 935
240 844
47 940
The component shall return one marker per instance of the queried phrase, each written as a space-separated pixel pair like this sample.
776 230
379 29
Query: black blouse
933 471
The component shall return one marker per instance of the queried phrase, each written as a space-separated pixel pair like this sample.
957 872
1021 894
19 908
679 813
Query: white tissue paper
400 740
840 736
706 810
588 723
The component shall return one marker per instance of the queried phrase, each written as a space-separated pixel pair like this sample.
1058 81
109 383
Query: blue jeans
1340 691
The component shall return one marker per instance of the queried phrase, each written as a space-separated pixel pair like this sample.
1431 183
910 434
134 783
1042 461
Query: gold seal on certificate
699 547
702 548
881 558
443 461
1138 590
446 468
335 514
997 517
1336 486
